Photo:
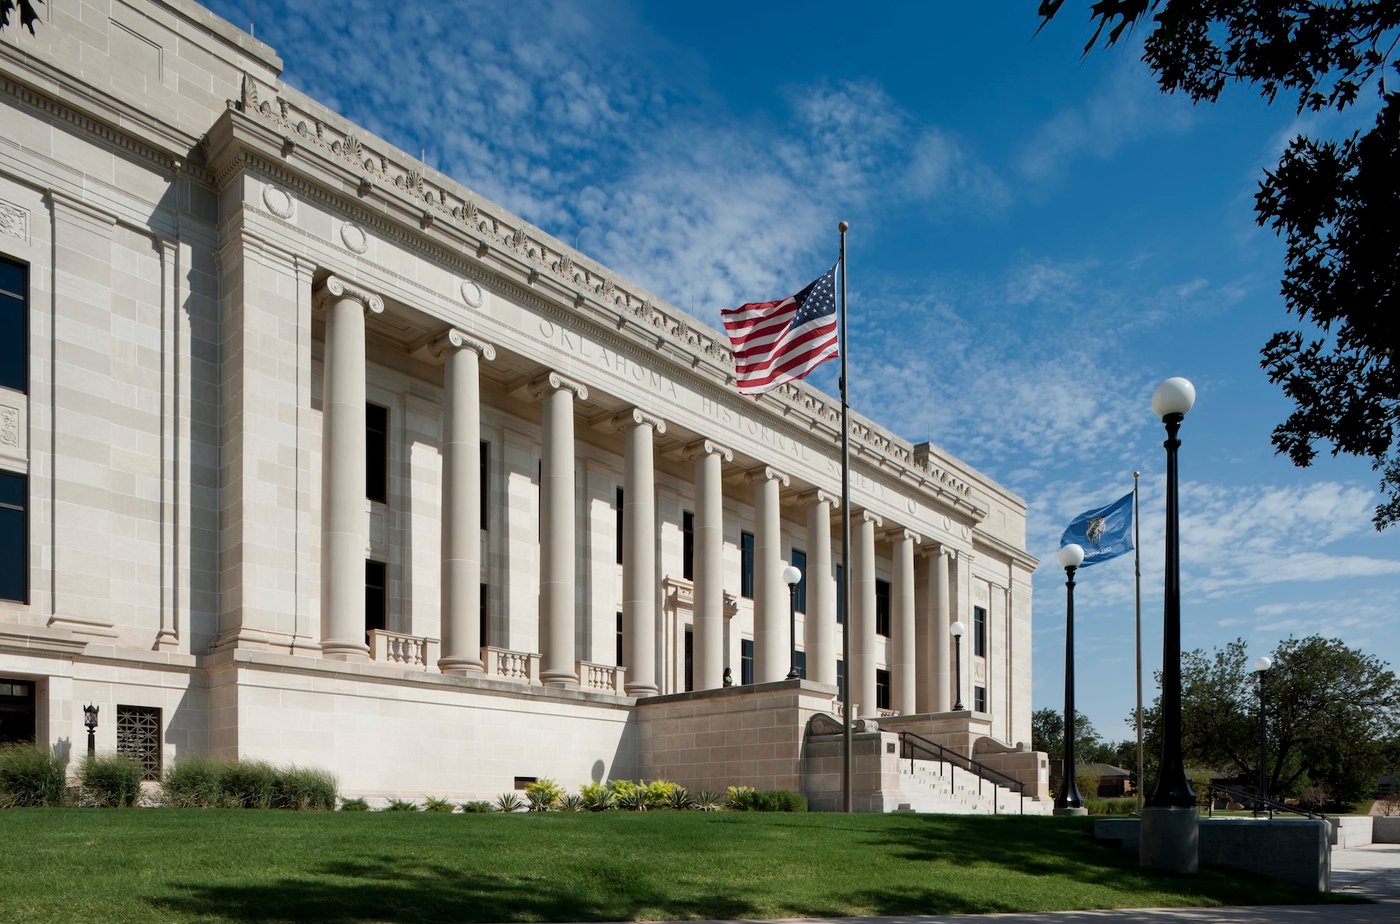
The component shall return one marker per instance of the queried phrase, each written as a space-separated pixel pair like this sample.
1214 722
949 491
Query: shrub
620 788
401 805
740 798
679 800
354 805
248 784
304 788
434 804
1089 783
597 797
509 802
110 781
709 801
543 794
572 802
30 774
660 793
1121 805
194 782
746 799
477 807
636 799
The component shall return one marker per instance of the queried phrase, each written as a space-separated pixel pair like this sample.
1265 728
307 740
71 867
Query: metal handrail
1241 796
909 742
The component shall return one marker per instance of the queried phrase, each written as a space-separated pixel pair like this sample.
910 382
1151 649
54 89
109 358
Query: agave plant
634 800
709 801
679 799
596 797
509 802
571 802
436 804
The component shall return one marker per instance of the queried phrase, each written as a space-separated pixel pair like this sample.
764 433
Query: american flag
777 342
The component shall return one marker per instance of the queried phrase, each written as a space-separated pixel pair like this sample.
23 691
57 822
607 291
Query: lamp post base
1071 810
1170 839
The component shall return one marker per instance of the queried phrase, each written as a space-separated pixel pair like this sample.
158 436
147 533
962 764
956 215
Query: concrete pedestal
1170 839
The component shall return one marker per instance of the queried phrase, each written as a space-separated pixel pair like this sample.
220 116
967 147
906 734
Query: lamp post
957 629
90 720
1069 802
1261 667
1170 837
791 576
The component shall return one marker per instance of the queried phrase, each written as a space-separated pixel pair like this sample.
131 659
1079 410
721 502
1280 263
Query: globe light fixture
1261 667
792 576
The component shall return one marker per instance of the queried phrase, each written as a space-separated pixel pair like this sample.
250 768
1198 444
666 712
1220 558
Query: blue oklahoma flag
1104 533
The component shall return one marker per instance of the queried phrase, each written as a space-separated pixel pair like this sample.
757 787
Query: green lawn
243 865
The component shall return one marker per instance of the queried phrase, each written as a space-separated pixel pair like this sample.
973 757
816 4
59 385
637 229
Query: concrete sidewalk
1372 872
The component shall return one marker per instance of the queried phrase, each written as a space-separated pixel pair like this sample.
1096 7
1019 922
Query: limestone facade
318 457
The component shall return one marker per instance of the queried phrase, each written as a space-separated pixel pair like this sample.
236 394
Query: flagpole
847 804
1137 581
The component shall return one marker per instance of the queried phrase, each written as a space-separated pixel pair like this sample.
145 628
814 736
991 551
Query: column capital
767 473
867 516
817 496
632 417
454 339
553 381
934 549
338 287
705 447
902 533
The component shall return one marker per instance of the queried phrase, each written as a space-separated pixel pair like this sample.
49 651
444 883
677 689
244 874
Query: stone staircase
938 787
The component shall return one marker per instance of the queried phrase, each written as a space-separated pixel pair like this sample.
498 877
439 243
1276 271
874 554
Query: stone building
309 453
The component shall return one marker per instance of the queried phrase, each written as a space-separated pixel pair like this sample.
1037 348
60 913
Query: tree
1333 716
1336 202
1048 734
28 15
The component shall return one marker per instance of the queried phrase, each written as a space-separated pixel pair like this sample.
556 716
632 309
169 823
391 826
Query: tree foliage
1333 716
28 14
1335 202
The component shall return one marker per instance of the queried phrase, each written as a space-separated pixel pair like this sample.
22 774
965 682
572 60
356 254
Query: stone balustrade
604 678
517 666
402 649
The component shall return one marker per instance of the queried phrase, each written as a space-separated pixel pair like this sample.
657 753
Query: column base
1071 810
461 666
559 679
344 651
1170 839
642 689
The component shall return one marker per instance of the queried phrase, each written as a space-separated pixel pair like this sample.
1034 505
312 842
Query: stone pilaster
559 667
903 696
770 594
345 528
863 640
708 615
820 626
461 500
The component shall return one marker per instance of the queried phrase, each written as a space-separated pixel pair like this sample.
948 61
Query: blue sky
1037 240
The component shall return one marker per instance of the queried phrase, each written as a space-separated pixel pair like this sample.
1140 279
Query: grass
250 865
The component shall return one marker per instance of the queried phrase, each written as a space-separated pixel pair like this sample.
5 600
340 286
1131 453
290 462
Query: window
16 711
485 489
617 656
979 631
522 781
14 320
687 545
138 737
800 658
840 679
689 660
840 595
377 453
882 607
14 537
746 565
376 595
799 561
485 616
619 526
746 660
882 689
979 699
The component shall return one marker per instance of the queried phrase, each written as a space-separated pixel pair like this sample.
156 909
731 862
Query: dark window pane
618 656
687 545
840 680
799 561
882 607
882 689
485 615
12 278
620 500
979 631
746 660
377 453
840 595
979 699
14 537
746 565
14 318
689 660
376 595
801 659
485 486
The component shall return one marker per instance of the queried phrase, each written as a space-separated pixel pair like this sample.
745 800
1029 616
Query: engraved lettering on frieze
354 238
9 426
278 201
14 221
611 360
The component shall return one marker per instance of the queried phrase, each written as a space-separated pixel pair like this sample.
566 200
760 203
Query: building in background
310 454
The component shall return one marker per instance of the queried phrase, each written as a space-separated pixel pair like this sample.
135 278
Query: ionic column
820 630
863 643
639 551
708 615
559 667
345 527
461 500
903 696
940 680
770 594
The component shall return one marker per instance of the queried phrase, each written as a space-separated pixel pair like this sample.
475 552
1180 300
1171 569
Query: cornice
425 202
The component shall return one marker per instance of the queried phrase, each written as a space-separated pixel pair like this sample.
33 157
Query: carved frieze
14 221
